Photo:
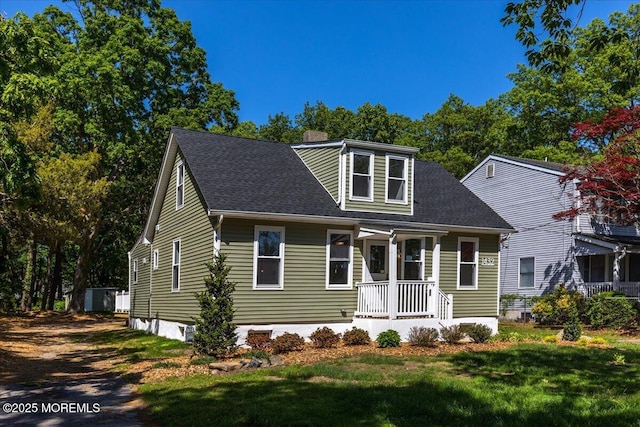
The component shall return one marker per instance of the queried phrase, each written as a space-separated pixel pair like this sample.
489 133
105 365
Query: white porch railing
630 289
122 302
414 299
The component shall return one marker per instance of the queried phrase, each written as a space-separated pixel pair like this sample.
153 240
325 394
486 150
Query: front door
377 260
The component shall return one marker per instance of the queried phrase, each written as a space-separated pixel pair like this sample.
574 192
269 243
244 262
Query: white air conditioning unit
157 227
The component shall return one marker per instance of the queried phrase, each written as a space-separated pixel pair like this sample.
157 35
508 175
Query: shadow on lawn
431 400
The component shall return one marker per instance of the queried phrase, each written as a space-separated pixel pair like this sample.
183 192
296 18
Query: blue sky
407 55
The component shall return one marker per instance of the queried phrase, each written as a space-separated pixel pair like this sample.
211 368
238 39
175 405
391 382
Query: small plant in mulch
356 336
550 339
202 360
324 338
258 354
451 334
479 333
165 365
422 337
388 338
287 342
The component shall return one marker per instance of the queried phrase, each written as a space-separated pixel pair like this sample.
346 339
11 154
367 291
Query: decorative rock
214 372
255 363
275 360
226 367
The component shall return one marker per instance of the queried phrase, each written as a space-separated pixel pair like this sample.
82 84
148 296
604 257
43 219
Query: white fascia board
283 217
324 144
156 205
597 242
369 145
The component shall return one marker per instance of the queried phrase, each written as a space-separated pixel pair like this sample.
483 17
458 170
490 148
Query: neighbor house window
156 259
526 278
180 185
412 255
491 170
175 274
339 259
362 175
268 258
467 263
397 173
135 271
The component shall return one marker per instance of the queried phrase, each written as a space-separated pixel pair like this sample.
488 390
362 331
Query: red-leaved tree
610 186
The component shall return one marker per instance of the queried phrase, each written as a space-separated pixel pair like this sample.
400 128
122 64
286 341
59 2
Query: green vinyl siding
379 203
428 258
324 163
304 297
140 291
473 302
193 227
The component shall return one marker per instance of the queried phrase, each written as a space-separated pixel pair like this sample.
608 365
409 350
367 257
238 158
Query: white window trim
405 196
135 271
372 160
349 285
156 259
422 257
180 186
257 230
476 242
534 272
174 263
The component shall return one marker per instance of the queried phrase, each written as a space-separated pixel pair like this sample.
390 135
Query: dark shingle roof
247 175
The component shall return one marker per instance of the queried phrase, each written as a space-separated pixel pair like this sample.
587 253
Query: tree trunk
80 278
56 279
29 278
47 280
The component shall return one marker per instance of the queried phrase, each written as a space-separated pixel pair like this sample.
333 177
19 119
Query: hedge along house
329 233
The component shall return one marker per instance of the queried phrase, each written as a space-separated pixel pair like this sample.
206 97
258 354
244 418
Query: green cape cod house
322 233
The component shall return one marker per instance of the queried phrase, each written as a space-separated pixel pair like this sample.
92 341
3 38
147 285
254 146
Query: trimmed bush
480 333
423 337
356 336
324 338
553 309
388 338
611 310
287 342
451 334
258 341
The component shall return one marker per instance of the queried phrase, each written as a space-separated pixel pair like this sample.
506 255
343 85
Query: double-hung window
362 175
175 270
397 173
268 258
179 185
339 259
135 271
526 275
467 263
412 254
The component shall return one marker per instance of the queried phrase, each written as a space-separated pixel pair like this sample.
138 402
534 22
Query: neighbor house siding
379 203
527 199
471 302
324 163
193 227
139 302
304 297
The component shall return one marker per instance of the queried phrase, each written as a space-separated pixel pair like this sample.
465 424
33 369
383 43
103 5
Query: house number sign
488 261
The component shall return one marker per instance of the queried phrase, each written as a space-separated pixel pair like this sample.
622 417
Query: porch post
617 257
393 278
435 260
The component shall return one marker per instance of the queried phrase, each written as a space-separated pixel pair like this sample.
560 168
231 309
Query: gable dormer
363 176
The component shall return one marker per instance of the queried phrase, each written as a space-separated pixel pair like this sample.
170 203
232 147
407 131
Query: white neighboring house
588 253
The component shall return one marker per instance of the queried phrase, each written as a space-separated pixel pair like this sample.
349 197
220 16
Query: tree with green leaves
119 73
215 333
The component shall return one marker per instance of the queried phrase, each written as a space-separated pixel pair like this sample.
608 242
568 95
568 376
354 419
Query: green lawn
528 384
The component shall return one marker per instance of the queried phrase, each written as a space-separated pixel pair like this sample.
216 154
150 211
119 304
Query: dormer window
362 175
397 173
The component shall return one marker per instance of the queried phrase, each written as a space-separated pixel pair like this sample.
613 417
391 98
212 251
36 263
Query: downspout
216 235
